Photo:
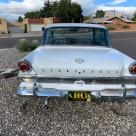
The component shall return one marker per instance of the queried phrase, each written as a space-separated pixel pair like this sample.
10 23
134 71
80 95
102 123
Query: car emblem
79 61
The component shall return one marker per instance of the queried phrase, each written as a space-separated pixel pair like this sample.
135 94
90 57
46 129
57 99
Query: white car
77 60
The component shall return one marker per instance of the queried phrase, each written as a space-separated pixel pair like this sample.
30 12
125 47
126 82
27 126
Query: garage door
35 27
14 30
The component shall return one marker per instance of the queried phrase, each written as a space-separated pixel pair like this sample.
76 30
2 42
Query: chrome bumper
61 90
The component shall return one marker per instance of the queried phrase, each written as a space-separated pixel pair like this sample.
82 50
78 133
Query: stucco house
111 20
118 20
3 26
36 25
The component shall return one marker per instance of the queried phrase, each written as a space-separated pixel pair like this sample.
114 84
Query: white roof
75 25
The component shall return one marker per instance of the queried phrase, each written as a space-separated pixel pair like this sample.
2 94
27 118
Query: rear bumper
61 90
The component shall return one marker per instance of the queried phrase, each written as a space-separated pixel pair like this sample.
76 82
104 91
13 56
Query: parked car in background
77 60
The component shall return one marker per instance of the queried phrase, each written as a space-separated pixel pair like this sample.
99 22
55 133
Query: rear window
75 36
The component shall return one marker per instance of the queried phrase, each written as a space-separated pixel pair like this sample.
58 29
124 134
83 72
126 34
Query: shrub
134 22
111 28
34 45
3 32
26 45
125 26
23 45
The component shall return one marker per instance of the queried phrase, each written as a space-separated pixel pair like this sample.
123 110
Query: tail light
132 69
24 66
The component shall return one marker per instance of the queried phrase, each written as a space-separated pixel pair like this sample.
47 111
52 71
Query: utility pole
114 12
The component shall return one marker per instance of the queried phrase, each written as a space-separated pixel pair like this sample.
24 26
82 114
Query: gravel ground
24 116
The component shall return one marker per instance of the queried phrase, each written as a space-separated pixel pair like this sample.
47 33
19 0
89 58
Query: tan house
120 21
111 20
36 25
3 26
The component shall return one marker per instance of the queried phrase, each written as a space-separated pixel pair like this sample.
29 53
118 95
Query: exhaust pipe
8 73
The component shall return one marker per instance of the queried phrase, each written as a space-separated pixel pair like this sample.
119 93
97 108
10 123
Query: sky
12 9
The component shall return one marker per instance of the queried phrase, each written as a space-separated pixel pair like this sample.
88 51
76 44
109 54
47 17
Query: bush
26 45
23 45
134 22
125 26
111 28
3 32
34 45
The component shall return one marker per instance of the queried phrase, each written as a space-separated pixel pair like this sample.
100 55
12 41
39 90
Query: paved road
125 42
11 42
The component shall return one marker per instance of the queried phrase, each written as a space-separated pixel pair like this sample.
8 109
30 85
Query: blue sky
11 9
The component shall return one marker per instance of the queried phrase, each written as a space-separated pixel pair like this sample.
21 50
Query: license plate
79 96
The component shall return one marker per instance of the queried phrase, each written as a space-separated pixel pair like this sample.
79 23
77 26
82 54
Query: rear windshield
75 36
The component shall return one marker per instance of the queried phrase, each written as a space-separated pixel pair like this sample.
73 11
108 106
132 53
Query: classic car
77 60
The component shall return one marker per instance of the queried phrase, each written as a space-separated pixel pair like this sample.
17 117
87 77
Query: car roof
75 25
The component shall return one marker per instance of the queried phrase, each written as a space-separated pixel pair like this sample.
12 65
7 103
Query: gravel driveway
24 116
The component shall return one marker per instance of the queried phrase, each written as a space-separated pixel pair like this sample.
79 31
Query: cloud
88 6
15 8
127 11
19 8
115 2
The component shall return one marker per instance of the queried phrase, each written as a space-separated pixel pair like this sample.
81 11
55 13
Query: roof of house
35 21
123 19
106 20
75 25
100 20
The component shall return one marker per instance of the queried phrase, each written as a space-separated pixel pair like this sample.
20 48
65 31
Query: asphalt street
123 41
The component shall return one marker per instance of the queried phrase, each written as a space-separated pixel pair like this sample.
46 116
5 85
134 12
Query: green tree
34 14
134 17
69 12
99 13
77 13
49 9
66 10
20 19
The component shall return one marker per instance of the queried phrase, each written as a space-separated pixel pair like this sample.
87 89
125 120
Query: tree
121 16
49 9
66 10
35 14
20 19
100 13
134 17
69 12
77 13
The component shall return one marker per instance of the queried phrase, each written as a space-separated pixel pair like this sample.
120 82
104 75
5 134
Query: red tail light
24 66
132 69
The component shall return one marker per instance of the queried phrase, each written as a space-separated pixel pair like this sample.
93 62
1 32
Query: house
98 21
121 21
3 26
36 25
111 20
